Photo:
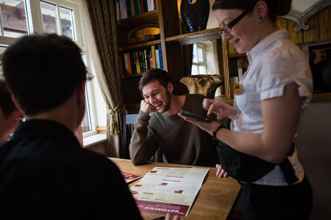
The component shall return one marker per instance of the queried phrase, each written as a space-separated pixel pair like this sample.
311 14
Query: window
13 18
199 64
57 19
205 58
21 17
2 49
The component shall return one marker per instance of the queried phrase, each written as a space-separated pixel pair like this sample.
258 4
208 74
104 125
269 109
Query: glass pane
208 58
67 22
195 70
202 70
13 18
195 54
49 15
200 55
86 124
2 50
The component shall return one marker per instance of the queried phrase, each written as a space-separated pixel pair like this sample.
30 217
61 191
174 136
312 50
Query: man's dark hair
42 71
6 104
152 75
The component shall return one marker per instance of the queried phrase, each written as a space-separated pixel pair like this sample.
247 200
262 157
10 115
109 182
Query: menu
169 189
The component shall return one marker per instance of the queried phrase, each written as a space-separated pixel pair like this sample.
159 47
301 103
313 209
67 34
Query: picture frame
319 55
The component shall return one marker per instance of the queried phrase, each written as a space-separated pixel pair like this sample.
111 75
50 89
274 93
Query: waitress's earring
261 19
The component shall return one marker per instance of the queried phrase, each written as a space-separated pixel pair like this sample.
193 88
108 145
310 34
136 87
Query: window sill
94 139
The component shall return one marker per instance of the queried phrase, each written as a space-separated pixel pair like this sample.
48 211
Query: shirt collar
266 42
45 128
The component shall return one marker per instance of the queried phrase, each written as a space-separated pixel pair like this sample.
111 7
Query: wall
314 140
314 144
320 28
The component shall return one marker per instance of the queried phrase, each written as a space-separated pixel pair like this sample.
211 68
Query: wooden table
214 201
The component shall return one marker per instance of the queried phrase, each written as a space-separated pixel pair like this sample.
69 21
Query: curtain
103 20
188 59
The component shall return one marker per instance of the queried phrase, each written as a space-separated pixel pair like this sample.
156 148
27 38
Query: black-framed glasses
231 24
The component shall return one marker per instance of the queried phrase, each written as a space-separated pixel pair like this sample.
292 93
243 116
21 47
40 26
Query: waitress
266 112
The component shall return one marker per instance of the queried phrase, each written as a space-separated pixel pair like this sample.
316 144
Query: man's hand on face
146 107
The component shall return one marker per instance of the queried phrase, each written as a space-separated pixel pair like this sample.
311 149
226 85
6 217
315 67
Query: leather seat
206 85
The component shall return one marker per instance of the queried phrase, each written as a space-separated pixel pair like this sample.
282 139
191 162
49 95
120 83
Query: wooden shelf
139 45
190 38
322 97
132 77
151 17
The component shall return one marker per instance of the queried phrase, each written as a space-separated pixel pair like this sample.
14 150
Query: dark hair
6 104
42 71
152 75
276 7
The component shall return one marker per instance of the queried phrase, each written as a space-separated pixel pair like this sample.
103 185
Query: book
127 64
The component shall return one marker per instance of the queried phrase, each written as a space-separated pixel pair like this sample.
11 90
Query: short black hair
6 104
276 7
155 74
43 70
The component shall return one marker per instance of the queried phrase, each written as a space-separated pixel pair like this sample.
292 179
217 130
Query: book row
138 61
129 8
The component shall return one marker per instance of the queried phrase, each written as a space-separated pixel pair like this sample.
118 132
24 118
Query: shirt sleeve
144 140
282 69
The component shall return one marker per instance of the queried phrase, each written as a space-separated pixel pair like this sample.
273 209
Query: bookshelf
189 38
165 52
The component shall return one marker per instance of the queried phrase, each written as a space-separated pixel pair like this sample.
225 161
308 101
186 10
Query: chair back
202 84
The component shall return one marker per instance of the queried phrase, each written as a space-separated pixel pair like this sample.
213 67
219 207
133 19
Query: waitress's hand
222 109
209 127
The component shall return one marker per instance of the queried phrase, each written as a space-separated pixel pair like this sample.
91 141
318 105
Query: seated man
44 172
9 115
160 134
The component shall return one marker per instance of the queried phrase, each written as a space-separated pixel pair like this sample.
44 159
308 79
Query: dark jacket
46 174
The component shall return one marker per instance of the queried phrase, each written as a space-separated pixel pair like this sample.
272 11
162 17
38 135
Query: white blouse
274 63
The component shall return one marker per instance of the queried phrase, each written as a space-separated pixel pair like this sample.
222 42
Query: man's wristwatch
216 130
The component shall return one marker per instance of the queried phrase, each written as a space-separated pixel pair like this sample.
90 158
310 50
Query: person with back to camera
44 171
266 112
9 115
160 134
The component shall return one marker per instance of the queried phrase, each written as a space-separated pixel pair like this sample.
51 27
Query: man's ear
17 115
170 87
261 9
20 112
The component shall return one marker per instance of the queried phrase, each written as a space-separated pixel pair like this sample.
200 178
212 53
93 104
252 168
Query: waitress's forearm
252 144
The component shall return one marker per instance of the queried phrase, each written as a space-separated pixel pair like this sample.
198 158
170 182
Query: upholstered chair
208 85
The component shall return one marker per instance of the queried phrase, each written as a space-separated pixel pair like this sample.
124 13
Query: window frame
204 58
35 25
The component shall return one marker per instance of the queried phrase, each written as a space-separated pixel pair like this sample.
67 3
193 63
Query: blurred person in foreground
44 171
